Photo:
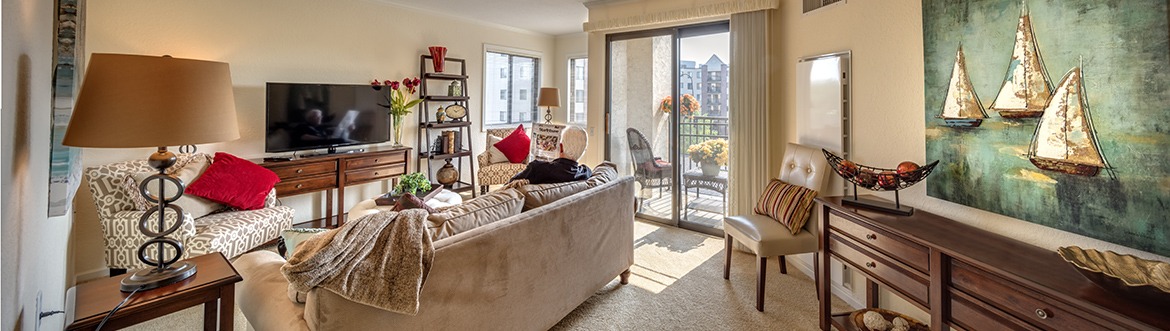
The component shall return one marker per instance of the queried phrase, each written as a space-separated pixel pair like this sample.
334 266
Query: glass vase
397 129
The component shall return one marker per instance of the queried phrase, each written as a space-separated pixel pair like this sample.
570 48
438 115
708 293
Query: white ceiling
553 17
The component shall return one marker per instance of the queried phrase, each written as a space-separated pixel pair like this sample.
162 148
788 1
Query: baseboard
91 275
841 292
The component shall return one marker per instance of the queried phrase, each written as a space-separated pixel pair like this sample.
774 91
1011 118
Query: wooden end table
213 285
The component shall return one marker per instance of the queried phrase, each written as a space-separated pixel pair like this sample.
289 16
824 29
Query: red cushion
515 146
410 201
234 182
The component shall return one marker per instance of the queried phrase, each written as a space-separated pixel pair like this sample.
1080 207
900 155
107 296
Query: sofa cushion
235 182
476 212
194 205
536 195
787 203
602 173
516 145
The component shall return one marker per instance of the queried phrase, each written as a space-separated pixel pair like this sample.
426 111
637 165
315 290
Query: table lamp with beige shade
549 97
129 101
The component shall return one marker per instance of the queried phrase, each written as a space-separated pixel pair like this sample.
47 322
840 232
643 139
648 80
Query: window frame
538 59
572 92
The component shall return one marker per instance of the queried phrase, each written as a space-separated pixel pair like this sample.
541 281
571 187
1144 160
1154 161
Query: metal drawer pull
300 170
871 236
375 160
375 174
874 265
300 185
1042 314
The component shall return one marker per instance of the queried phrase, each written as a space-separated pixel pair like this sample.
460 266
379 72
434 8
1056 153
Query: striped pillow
787 203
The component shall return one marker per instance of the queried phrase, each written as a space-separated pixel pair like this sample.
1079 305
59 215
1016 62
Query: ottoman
445 198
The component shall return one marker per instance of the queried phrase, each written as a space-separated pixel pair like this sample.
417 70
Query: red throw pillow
234 182
515 146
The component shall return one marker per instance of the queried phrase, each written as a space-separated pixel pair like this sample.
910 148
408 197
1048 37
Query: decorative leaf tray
1123 273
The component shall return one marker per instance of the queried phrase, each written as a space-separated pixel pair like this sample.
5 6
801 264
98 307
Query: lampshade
152 101
549 97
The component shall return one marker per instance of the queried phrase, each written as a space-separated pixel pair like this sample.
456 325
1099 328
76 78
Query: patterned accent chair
229 232
499 173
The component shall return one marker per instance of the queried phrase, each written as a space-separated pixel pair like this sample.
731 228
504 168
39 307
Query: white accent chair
803 166
496 173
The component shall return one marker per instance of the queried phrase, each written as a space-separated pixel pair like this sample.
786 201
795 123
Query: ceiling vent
811 5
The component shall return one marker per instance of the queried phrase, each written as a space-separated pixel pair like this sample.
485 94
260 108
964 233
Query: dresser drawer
375 160
366 175
880 266
970 315
306 184
902 249
1022 302
303 170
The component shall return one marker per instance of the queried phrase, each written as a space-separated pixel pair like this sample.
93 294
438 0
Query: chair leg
783 265
727 263
760 283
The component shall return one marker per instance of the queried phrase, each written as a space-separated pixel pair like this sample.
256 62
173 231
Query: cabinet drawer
375 160
306 184
902 249
881 267
1017 300
303 170
366 175
969 315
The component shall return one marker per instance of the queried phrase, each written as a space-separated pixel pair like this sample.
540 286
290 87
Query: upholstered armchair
229 232
496 173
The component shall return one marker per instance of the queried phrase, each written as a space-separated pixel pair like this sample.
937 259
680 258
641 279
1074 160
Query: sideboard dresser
967 278
337 171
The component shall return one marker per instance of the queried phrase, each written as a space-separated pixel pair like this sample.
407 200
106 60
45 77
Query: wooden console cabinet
328 172
968 278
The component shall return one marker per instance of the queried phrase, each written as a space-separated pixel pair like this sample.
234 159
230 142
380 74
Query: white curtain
749 111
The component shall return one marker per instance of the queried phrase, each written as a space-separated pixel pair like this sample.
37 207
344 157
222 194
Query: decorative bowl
858 319
874 178
1121 273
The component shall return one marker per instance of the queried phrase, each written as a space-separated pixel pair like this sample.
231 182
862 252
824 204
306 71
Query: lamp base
151 278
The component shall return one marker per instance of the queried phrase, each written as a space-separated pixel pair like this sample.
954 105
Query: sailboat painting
1087 152
961 107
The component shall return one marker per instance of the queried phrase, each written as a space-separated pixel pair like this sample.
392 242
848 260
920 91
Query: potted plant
689 107
412 183
398 102
710 154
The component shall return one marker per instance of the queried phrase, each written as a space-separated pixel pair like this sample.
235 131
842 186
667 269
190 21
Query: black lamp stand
164 271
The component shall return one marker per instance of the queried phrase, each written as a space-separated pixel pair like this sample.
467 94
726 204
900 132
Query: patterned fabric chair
499 173
229 232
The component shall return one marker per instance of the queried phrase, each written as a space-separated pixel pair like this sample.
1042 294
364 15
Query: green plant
412 183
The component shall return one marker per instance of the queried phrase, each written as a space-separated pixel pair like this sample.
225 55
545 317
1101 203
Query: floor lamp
154 101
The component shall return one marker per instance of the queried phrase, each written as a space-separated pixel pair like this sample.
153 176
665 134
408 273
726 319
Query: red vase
438 54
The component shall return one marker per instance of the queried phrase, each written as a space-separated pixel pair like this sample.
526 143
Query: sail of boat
1065 139
1026 87
961 107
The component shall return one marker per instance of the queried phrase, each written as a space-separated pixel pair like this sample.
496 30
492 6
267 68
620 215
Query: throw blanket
379 260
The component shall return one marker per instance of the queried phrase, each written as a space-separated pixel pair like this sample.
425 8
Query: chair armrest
270 199
484 159
263 294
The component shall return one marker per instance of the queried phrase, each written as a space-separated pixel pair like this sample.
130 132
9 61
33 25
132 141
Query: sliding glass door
649 134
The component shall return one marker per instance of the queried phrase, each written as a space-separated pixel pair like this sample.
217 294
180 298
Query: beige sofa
525 272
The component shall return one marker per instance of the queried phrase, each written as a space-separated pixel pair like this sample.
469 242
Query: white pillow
196 206
494 154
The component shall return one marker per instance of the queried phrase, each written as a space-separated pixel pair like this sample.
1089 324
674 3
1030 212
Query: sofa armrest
263 294
123 238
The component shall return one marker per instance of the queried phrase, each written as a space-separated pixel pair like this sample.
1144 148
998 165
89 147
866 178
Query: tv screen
313 116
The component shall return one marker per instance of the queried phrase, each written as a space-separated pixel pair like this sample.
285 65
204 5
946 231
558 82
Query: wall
35 259
346 42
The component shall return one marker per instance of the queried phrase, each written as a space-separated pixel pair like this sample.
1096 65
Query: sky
700 48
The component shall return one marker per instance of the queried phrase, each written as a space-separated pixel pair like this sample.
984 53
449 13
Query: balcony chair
649 171
803 166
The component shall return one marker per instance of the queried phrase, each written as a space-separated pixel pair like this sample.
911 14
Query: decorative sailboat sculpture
961 107
1026 88
1065 139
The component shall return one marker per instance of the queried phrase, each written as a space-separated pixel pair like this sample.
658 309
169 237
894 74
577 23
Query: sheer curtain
749 104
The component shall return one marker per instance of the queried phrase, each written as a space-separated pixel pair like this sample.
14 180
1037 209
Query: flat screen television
315 116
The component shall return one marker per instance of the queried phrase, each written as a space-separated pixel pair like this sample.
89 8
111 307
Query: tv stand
326 172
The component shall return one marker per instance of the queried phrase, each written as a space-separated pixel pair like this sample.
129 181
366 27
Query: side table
213 285
696 179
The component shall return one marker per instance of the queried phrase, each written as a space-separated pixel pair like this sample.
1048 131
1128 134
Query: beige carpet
677 284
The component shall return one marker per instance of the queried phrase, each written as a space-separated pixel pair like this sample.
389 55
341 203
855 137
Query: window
518 72
578 72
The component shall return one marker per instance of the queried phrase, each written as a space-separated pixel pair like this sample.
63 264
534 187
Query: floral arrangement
714 150
398 102
413 183
688 108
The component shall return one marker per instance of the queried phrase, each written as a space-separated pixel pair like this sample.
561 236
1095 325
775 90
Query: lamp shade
152 101
549 97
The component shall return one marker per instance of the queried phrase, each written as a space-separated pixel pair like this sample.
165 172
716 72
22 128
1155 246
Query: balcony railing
698 129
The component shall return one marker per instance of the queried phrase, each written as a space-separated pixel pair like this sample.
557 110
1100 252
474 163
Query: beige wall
35 249
305 41
567 46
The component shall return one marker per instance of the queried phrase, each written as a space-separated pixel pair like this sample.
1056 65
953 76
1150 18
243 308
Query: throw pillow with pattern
789 204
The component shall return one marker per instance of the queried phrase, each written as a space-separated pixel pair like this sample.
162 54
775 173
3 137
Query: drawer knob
375 160
300 170
375 174
871 236
1042 314
872 265
300 185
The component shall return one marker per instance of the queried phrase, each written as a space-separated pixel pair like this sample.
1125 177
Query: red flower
386 82
393 85
416 81
376 83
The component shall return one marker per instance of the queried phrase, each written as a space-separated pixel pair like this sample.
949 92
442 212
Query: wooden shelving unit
427 126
